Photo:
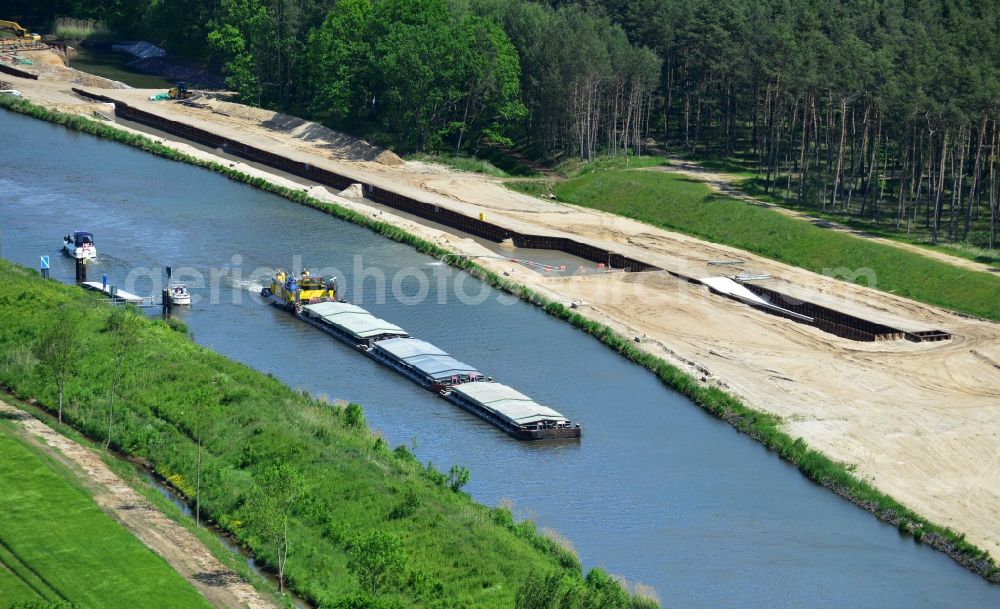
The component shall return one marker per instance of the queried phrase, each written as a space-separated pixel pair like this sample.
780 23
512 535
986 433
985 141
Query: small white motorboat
178 294
80 245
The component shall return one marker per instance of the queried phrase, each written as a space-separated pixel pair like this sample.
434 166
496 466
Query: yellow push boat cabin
289 291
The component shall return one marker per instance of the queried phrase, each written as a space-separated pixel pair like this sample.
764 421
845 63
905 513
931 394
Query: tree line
885 110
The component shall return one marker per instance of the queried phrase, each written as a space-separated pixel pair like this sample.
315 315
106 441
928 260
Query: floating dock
435 370
113 293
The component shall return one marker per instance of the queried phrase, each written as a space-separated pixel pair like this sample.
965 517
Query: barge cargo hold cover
423 362
350 321
432 368
512 411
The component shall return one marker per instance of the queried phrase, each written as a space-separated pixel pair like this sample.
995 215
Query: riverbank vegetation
270 456
681 204
763 427
51 531
67 28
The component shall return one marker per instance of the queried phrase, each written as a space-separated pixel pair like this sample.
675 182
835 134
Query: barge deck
512 411
435 370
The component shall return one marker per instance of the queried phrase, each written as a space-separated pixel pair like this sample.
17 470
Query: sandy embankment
920 421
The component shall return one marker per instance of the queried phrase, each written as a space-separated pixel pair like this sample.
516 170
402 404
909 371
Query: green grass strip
13 589
23 579
761 426
686 205
62 544
129 472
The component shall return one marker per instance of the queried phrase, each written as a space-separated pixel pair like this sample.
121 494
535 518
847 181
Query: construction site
906 393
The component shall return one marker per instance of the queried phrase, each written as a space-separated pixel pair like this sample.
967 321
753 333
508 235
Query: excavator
22 34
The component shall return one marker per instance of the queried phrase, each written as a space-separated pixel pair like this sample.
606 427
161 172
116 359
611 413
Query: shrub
458 476
354 416
407 507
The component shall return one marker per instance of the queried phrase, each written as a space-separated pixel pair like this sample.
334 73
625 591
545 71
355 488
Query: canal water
114 65
656 491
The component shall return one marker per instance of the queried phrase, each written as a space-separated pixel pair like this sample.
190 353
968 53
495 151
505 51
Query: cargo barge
417 360
423 363
511 410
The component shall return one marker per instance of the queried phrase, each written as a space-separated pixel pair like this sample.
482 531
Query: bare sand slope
921 421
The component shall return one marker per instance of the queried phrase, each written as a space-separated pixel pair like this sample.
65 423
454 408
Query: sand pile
336 144
249 113
354 191
388 157
86 109
47 57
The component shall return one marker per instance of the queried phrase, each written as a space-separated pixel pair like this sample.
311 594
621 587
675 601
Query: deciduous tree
123 326
376 556
60 349
281 488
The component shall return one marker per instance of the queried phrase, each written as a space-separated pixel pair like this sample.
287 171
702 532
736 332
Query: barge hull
484 414
516 432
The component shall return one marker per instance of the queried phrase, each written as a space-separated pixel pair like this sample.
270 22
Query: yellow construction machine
20 31
180 91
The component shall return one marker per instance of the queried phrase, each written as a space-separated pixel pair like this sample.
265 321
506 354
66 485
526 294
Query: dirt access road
919 421
222 587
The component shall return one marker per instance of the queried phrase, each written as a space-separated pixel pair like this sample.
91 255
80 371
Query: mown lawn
57 544
687 206
13 589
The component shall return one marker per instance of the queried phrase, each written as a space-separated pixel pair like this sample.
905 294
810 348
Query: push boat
290 292
80 245
178 294
315 303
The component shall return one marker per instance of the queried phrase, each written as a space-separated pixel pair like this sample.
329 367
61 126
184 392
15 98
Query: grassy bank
461 163
743 169
136 477
909 232
763 427
681 204
459 553
51 532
